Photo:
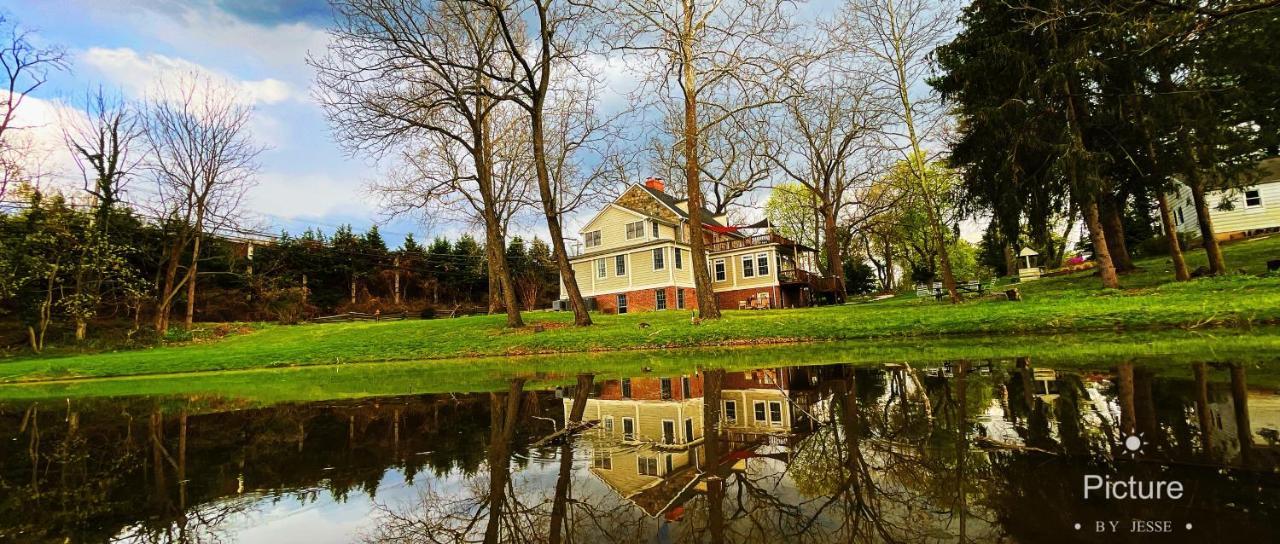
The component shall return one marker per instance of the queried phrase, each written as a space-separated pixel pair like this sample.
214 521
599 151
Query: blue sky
305 180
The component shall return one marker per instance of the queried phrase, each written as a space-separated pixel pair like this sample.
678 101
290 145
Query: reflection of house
648 444
637 258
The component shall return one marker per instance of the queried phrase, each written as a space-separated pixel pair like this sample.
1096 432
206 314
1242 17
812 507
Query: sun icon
1133 444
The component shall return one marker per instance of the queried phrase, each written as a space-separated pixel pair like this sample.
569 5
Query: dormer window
635 230
591 239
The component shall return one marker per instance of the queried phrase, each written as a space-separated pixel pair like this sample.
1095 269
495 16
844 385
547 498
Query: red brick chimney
656 184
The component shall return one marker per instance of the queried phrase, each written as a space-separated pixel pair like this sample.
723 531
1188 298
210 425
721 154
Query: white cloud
142 74
37 130
300 196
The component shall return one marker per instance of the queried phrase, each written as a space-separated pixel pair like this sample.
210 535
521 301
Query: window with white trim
731 411
748 266
647 466
602 459
680 299
660 299
718 267
601 269
635 230
660 258
628 428
762 264
591 239
1253 198
655 229
620 265
679 259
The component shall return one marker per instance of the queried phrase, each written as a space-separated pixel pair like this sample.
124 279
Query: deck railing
750 241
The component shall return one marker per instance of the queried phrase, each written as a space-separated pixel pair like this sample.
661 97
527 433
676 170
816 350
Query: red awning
721 230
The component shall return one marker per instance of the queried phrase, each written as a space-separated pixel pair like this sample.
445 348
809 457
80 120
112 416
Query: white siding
1239 218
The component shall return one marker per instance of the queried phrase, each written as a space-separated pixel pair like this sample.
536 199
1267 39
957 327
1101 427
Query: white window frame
660 258
655 232
1259 202
688 430
762 264
679 299
608 426
592 239
759 412
642 465
628 422
679 259
635 229
660 299
748 266
620 270
602 268
675 432
719 271
769 415
727 405
602 459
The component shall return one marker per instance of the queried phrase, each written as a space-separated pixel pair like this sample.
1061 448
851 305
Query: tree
203 160
402 75
104 146
898 36
26 68
720 57
823 144
541 37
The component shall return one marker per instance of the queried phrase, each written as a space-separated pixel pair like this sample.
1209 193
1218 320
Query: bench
938 292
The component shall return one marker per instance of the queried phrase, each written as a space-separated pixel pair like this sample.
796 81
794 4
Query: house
636 257
1236 213
649 445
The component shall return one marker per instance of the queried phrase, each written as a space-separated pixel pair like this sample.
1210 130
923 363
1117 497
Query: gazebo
1030 261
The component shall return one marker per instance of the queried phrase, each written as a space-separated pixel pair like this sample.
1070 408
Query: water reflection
964 451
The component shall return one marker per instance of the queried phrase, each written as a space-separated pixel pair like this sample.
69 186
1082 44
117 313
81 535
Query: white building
1237 212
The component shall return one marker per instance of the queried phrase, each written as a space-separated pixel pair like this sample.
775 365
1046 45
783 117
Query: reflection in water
965 451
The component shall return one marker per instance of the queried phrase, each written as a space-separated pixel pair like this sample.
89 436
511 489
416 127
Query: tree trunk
707 305
1204 417
831 241
165 298
1171 236
1113 231
1128 408
551 206
395 288
82 328
191 284
559 504
495 285
503 414
1209 239
1101 255
713 381
492 225
1010 260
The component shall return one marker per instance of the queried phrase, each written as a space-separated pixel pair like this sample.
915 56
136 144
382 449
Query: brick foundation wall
646 300
728 300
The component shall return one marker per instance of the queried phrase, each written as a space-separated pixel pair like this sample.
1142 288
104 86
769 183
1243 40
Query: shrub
428 313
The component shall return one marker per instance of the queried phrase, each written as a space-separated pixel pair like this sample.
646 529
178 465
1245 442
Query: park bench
938 292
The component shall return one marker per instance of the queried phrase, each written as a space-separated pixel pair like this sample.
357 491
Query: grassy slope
1170 351
1055 305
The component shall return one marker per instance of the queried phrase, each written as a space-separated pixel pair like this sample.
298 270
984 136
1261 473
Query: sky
261 48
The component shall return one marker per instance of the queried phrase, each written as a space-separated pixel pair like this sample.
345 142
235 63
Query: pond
992 450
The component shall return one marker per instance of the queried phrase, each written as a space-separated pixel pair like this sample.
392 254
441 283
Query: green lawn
1168 353
1054 305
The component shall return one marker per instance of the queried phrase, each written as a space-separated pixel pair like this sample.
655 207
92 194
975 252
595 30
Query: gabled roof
708 217
608 206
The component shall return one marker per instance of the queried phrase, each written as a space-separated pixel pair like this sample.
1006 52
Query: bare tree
398 72
898 36
721 57
825 142
541 37
203 161
732 160
26 68
103 145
